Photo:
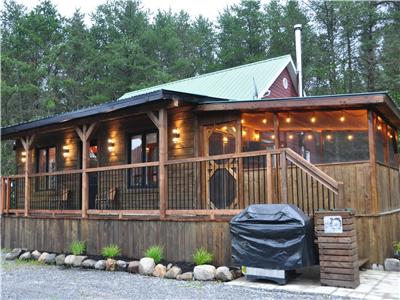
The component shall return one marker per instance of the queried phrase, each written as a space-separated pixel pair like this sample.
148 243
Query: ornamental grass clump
202 257
111 251
78 247
155 252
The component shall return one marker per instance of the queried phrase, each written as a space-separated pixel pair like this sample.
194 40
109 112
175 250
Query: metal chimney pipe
297 34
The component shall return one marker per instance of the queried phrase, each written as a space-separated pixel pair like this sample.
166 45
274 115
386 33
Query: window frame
143 170
47 187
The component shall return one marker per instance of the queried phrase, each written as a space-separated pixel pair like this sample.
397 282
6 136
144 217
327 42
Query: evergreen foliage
51 64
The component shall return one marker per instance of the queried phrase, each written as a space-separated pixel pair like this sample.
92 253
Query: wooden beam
84 134
163 157
276 131
3 196
270 186
154 119
372 159
284 187
26 143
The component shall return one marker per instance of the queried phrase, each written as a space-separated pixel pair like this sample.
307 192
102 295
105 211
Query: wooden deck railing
214 185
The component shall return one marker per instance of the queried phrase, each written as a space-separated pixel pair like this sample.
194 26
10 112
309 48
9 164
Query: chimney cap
297 26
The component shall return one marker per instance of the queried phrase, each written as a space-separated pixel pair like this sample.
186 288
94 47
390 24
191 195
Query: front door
221 174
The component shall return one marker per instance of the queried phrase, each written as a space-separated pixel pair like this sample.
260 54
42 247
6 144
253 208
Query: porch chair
107 199
63 198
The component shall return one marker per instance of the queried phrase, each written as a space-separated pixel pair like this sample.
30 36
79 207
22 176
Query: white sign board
333 224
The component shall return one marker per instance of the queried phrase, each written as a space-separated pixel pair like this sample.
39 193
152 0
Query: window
257 132
46 163
143 148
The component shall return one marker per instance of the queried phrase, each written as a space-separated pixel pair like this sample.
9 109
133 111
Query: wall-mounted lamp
350 137
176 134
23 156
225 140
110 145
65 151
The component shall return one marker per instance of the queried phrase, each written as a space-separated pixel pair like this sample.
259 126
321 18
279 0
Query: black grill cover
272 236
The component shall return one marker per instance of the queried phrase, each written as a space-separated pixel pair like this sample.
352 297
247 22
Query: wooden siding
356 180
180 239
375 235
388 186
277 89
185 119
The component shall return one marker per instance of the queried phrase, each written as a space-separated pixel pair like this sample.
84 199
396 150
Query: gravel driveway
27 281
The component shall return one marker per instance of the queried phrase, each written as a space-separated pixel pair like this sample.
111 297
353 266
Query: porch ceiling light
65 151
176 134
342 119
288 119
110 145
23 156
313 119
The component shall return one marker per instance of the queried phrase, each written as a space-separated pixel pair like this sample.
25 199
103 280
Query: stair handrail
312 170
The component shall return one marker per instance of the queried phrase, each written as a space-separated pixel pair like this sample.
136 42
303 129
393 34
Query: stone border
145 266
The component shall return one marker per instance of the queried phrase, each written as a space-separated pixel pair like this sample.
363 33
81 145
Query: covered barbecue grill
270 239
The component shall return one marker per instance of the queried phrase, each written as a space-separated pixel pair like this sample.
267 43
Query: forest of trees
51 64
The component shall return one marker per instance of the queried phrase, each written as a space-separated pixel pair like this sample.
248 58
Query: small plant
155 252
111 251
396 247
78 247
202 257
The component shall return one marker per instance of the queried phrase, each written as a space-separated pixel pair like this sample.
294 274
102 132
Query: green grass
155 252
202 257
18 263
5 250
111 251
78 247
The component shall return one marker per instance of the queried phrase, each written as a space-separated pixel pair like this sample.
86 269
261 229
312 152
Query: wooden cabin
171 164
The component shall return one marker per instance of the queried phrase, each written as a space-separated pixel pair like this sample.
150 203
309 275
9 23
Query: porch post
163 157
276 131
372 161
84 135
26 143
2 202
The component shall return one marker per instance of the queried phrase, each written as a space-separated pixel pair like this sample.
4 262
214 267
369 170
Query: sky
207 8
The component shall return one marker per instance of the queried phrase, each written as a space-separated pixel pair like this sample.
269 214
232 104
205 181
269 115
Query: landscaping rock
133 267
13 254
50 259
236 273
223 274
204 272
89 263
121 265
60 259
69 260
78 259
146 266
173 272
36 254
111 265
160 271
169 266
185 276
392 264
25 256
100 265
377 267
42 258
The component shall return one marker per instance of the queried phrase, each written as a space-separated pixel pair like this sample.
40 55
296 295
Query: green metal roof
249 81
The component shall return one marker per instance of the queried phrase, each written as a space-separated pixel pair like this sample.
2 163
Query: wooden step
362 262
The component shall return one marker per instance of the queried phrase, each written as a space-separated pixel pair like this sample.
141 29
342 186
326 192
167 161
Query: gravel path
26 281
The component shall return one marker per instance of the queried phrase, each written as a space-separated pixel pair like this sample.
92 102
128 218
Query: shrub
111 251
396 247
202 257
78 247
155 252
